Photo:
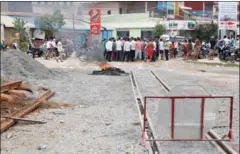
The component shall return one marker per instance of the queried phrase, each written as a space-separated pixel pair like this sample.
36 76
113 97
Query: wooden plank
8 123
11 85
23 119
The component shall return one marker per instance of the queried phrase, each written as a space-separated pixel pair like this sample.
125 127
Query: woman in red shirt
185 49
172 48
149 48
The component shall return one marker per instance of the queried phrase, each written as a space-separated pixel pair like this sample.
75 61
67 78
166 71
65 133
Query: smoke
78 41
94 51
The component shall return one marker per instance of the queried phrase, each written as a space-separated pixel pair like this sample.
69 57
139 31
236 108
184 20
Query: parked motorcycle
33 52
204 51
237 55
227 53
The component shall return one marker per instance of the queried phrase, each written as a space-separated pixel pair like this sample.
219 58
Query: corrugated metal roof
7 21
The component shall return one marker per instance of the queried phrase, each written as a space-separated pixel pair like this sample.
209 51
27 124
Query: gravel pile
18 65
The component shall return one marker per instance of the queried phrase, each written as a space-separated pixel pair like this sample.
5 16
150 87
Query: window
123 33
109 12
120 10
170 12
146 34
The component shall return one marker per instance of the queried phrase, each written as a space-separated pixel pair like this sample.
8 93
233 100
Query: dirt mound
17 64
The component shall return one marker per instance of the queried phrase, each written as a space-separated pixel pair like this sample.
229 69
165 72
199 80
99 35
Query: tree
19 27
158 30
50 24
204 31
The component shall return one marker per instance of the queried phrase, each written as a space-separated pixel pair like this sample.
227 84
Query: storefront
173 27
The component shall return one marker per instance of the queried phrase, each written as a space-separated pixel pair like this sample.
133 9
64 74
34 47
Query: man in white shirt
161 48
119 44
60 50
237 43
133 48
154 50
109 47
226 41
127 49
49 44
167 48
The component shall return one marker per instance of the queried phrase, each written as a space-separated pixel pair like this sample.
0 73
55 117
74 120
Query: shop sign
95 21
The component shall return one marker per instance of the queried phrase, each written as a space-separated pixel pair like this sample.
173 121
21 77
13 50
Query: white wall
2 32
104 6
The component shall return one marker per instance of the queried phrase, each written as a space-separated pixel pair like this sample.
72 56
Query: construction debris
12 90
5 124
23 119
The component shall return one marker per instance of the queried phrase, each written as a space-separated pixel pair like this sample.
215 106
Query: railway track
154 146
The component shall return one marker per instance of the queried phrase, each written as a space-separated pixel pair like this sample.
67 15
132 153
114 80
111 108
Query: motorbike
33 52
227 53
204 51
236 55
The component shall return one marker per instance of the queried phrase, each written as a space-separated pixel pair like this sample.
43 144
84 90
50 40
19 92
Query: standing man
157 48
232 42
54 46
103 45
109 47
154 50
161 48
167 47
226 40
127 49
60 50
133 48
119 49
197 46
144 43
114 51
237 43
138 52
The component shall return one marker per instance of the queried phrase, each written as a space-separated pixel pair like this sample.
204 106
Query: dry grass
53 104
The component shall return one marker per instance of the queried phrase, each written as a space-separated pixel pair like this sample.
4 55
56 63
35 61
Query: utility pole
73 21
73 16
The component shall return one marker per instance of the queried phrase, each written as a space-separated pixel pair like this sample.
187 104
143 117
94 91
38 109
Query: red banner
95 21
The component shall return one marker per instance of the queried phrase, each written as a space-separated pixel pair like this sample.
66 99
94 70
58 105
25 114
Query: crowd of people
135 49
51 48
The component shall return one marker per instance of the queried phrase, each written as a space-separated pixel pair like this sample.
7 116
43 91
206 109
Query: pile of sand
18 65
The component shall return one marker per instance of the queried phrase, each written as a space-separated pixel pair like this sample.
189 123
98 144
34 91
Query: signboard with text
227 17
95 21
181 25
